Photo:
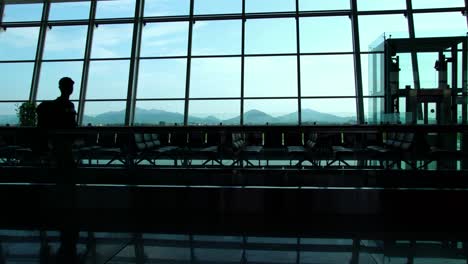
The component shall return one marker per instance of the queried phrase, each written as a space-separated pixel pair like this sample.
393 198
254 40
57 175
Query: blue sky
321 75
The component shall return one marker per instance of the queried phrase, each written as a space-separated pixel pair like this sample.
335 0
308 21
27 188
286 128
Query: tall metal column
87 57
412 35
189 63
298 46
357 63
464 143
134 63
39 52
243 64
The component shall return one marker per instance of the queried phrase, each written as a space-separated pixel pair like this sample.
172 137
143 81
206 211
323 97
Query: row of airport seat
242 148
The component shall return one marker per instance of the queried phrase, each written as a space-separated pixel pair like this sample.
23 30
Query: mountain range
156 117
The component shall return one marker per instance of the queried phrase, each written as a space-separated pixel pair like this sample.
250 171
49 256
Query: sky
272 76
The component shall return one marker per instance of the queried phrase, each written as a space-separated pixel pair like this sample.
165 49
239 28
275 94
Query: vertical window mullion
242 64
357 63
2 8
298 43
87 56
189 61
39 51
134 63
412 35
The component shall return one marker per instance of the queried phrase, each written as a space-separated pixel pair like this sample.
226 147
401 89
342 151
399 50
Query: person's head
66 86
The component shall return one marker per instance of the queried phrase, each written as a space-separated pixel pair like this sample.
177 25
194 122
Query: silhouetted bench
147 147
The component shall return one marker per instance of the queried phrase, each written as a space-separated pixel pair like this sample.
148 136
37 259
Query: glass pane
326 34
406 70
328 75
374 109
115 9
440 24
373 28
108 80
23 12
269 256
428 76
381 4
159 112
65 42
308 5
18 43
226 32
272 111
372 66
8 113
269 6
112 41
270 76
328 111
213 255
263 36
437 3
52 72
218 6
214 112
167 8
319 257
166 254
215 77
69 11
16 80
109 113
162 78
164 39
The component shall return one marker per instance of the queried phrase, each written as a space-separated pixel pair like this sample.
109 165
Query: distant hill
156 117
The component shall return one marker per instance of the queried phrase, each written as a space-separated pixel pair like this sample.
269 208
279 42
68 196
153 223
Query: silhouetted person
60 114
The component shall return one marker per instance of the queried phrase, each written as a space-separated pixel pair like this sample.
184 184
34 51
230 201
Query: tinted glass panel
269 5
276 111
270 76
263 36
107 113
108 79
18 43
325 34
167 8
308 5
164 39
23 12
390 26
214 112
227 34
52 72
115 8
218 6
328 75
215 77
381 4
69 11
159 112
112 41
65 42
437 3
328 111
162 78
15 80
440 24
8 113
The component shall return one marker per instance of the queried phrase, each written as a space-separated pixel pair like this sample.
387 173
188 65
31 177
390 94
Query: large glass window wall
203 62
